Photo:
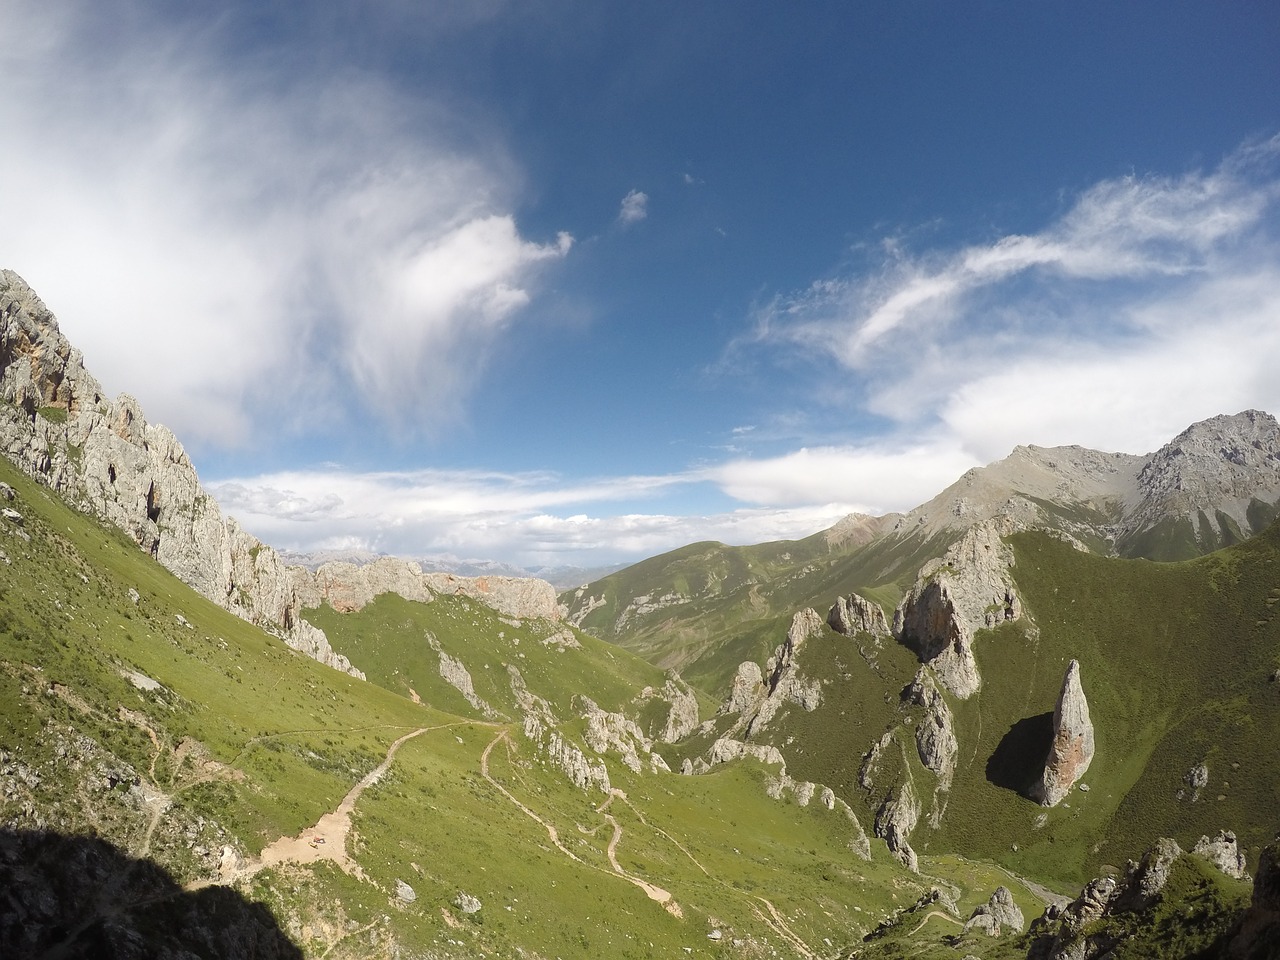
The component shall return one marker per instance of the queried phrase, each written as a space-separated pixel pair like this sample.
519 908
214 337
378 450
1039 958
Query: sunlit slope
1181 667
184 734
705 608
399 643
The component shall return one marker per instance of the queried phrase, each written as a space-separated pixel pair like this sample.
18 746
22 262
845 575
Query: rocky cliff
105 458
968 588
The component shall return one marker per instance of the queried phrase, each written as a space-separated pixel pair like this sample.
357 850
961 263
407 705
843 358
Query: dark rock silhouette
1018 760
75 898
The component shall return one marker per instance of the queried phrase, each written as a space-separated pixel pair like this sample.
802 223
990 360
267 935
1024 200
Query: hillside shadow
75 898
1018 760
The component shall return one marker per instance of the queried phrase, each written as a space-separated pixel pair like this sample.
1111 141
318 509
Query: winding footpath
654 893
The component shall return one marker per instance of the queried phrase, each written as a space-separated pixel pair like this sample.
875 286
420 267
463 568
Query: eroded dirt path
327 838
654 893
780 926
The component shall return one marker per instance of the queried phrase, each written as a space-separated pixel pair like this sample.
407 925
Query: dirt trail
654 893
551 830
780 926
935 913
326 840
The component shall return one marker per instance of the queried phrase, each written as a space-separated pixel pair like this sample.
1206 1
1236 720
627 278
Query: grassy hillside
187 737
1178 661
707 607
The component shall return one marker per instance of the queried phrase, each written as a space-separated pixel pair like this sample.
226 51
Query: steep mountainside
706 607
105 458
507 816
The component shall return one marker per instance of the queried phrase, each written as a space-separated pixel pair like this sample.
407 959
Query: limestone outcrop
682 717
895 820
854 614
747 691
1223 852
103 457
968 588
1074 932
523 598
1071 751
785 682
998 917
935 735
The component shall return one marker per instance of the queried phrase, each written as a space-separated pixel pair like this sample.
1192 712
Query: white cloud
222 237
1149 304
527 518
634 208
867 479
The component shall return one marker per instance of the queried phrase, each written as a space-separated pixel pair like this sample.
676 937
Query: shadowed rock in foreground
76 898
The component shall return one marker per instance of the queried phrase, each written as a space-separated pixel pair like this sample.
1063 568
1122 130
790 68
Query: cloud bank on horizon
293 259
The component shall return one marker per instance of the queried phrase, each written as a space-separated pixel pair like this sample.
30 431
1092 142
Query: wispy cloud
226 235
634 208
528 518
1110 327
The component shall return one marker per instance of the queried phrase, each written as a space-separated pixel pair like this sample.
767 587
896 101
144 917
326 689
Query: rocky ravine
102 456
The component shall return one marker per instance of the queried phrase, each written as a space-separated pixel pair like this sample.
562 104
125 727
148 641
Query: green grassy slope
1177 664
714 606
175 730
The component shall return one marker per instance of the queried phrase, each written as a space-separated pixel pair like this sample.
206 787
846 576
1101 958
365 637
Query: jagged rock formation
524 598
606 731
757 700
455 673
1073 932
682 717
1224 853
567 756
998 917
348 587
1220 474
895 820
1072 749
935 735
103 457
747 691
968 588
1258 932
853 614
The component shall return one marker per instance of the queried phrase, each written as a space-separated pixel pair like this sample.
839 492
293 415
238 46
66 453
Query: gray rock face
785 682
682 718
895 820
968 588
1224 853
999 916
935 736
747 691
524 598
853 614
1072 749
1218 466
104 458
1065 933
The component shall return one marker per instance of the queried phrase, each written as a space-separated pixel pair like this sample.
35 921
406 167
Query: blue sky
578 282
